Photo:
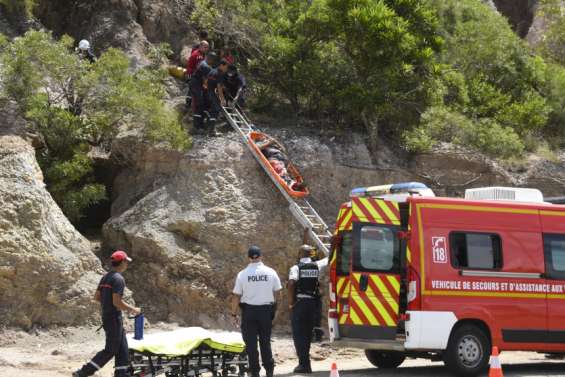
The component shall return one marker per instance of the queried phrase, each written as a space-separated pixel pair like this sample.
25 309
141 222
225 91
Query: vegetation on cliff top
74 106
419 72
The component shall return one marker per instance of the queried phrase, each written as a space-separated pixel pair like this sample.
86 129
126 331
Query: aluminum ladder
301 209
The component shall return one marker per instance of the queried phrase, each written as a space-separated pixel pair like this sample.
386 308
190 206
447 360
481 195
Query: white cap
84 44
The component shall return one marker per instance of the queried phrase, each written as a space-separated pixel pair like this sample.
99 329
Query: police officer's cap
254 252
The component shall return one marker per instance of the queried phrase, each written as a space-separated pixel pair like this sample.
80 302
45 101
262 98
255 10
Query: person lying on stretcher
271 148
280 169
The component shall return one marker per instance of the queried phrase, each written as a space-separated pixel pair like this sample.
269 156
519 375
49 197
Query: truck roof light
395 192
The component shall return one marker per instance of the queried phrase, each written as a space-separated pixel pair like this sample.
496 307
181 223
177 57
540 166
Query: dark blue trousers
116 347
303 320
256 322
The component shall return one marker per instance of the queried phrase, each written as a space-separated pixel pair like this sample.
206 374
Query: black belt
265 306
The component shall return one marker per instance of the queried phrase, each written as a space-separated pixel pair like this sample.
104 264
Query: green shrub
19 8
440 124
75 105
552 44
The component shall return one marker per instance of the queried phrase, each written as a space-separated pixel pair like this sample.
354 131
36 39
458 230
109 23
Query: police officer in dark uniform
255 292
109 293
199 91
303 289
214 78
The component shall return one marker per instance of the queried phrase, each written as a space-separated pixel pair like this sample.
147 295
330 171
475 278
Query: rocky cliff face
47 271
130 25
520 14
188 218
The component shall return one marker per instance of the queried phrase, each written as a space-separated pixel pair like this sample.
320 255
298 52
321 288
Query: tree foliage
75 105
388 65
19 8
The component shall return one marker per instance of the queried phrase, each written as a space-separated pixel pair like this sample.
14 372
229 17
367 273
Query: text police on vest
257 278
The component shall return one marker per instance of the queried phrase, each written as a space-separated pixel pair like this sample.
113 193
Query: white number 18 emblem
439 249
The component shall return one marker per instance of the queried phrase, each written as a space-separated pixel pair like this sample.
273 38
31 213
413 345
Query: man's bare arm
221 94
97 296
291 293
235 300
121 305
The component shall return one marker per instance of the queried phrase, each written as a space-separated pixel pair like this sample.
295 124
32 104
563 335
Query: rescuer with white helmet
85 52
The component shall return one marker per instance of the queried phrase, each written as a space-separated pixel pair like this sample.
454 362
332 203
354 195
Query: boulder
48 273
188 219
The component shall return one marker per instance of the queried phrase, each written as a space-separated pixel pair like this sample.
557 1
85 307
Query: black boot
197 124
270 371
211 126
303 369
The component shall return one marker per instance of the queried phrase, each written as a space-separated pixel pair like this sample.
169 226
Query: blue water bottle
138 327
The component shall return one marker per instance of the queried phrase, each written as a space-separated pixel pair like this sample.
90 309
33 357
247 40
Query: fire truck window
554 245
377 248
476 250
344 256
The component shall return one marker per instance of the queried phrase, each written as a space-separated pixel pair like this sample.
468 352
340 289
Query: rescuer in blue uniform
304 295
214 78
109 293
199 92
255 293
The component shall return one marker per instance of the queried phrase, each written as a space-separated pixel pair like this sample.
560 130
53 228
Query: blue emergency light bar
397 188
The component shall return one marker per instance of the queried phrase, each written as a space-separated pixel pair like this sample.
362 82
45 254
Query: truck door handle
363 282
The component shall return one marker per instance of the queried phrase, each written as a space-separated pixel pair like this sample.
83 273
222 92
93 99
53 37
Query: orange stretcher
252 138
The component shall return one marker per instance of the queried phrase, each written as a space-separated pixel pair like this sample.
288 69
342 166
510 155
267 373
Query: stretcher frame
203 359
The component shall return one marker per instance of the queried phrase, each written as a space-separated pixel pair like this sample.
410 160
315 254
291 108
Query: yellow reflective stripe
386 294
376 216
345 220
340 213
384 207
338 285
408 251
342 319
373 321
366 311
393 280
354 317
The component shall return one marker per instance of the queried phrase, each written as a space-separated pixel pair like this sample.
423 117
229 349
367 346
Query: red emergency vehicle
413 275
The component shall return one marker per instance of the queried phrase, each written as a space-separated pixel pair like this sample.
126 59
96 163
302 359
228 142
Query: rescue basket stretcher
252 138
190 351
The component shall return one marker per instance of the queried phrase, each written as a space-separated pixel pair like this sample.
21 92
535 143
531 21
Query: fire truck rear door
375 270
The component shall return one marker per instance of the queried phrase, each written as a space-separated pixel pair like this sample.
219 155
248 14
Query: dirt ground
57 352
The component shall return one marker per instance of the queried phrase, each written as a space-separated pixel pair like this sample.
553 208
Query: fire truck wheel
467 351
385 359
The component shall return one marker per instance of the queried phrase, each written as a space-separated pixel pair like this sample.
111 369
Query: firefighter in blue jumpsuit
304 295
109 293
214 78
199 92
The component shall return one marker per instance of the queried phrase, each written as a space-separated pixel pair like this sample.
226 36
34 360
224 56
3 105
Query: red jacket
195 58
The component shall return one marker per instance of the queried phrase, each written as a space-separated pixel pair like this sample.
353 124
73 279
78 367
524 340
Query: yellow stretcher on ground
191 351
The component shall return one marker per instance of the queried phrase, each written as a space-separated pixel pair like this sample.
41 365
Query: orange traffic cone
334 372
495 367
